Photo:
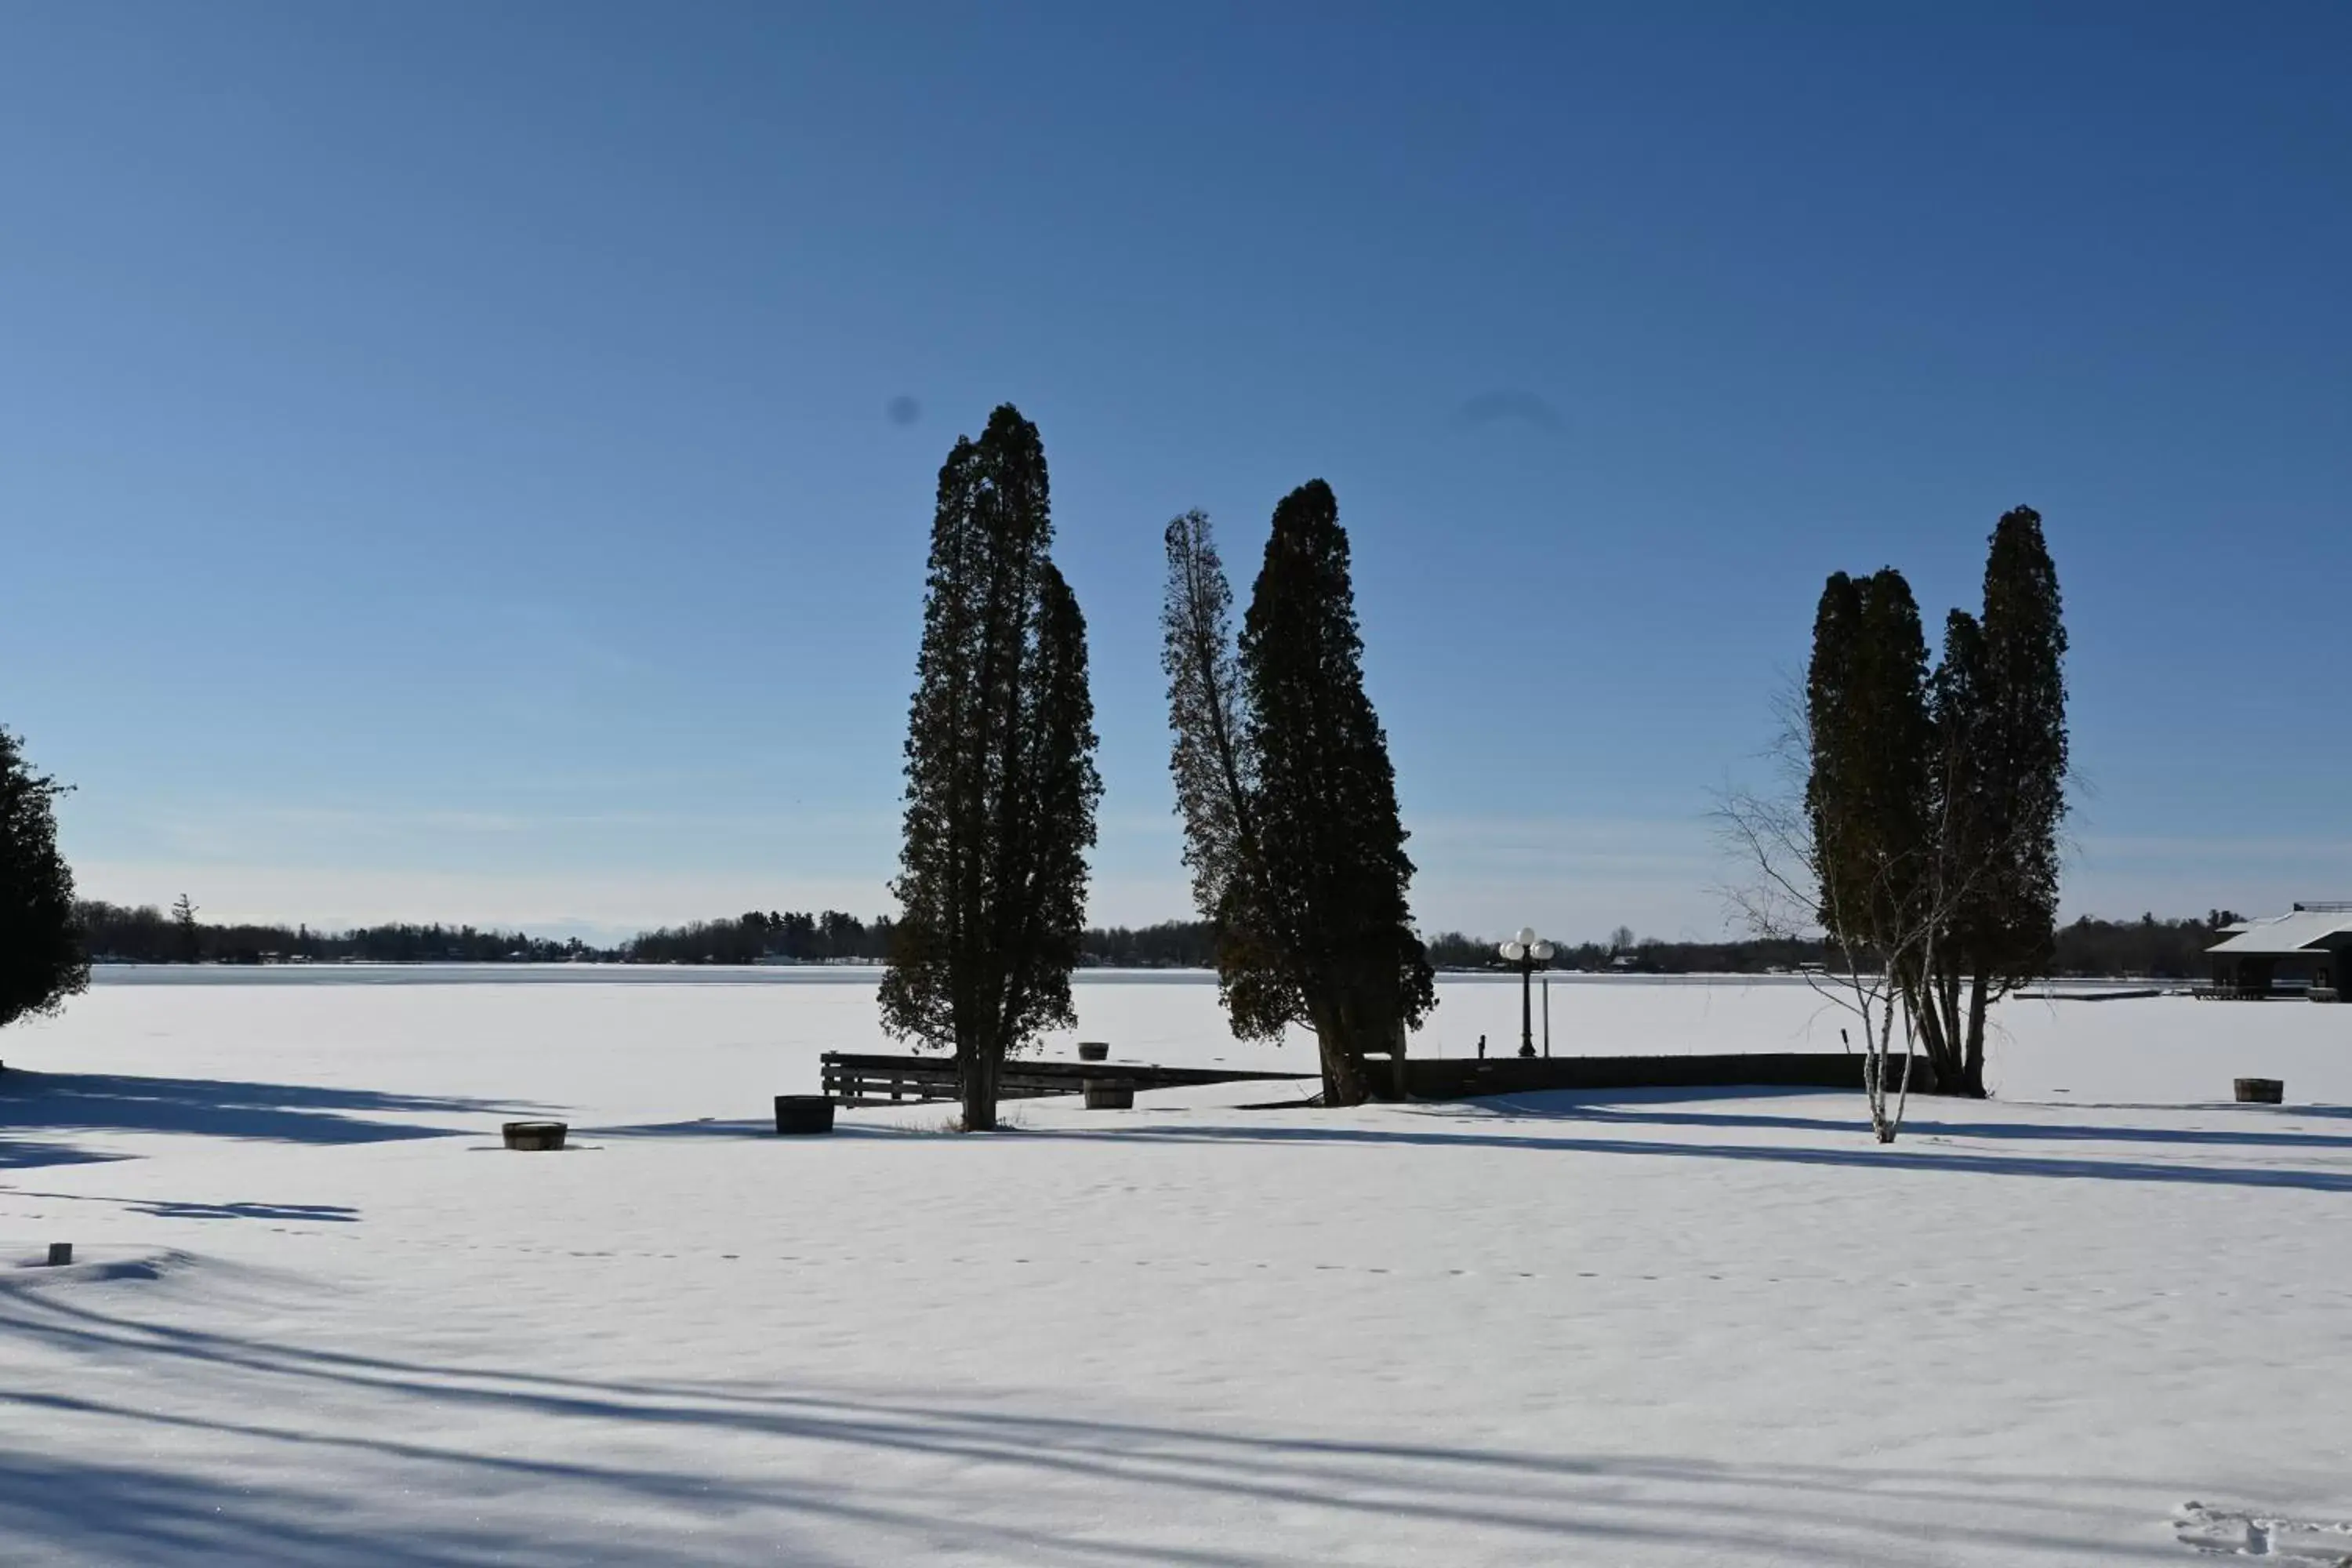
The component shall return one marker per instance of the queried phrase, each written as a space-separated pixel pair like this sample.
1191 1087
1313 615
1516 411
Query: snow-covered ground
320 1318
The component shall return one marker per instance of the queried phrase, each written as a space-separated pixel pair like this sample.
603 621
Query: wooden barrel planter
800 1114
1102 1094
534 1134
2260 1092
1094 1050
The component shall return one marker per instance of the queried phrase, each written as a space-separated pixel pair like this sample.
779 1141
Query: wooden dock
856 1079
1452 1077
852 1078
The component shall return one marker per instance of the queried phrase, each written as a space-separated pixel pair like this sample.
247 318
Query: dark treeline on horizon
2161 950
146 934
118 934
777 937
1648 955
2158 949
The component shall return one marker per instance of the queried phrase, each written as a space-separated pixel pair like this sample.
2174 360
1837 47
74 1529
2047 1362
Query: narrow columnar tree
1260 976
1001 780
41 957
1831 792
1288 795
1964 846
1870 836
2015 762
1870 790
1329 936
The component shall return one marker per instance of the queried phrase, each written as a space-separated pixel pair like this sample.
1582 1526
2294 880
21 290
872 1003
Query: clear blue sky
445 465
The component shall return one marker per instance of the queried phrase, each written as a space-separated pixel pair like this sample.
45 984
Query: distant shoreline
421 973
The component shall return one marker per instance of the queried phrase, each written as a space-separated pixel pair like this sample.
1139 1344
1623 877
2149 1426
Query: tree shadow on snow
130 1513
800 1483
1906 1154
2213 1107
219 1108
173 1208
1923 1120
24 1154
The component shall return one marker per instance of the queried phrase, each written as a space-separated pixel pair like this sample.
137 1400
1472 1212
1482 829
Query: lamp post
1525 952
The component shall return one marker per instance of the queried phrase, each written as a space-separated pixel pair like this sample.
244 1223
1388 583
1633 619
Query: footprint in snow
2241 1533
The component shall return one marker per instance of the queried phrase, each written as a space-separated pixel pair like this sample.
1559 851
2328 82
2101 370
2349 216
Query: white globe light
1542 950
1514 952
1526 936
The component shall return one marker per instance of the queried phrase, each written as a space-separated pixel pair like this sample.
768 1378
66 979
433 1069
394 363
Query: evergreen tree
1871 795
1957 697
1001 781
1945 790
191 935
1870 790
2016 762
1894 740
1329 938
1215 764
41 957
1289 799
1832 790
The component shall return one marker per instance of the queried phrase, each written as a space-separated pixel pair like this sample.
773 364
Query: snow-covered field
320 1318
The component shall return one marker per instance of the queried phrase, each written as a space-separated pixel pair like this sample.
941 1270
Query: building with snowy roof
2310 946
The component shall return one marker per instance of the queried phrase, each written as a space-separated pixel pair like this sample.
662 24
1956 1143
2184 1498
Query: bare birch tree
1887 915
1786 891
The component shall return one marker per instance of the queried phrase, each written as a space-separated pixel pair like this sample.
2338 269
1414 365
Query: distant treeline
1647 955
2157 949
2160 948
778 937
115 933
833 937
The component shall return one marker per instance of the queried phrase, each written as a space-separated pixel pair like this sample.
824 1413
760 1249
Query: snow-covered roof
2297 932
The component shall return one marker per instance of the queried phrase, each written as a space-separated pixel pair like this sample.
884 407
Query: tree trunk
1926 1018
1947 1003
1972 1082
1934 1001
979 1066
1919 1001
1343 1069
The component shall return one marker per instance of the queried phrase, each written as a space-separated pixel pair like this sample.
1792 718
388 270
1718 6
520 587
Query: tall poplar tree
1956 699
1288 797
41 957
1215 765
1833 790
1869 791
2013 758
1872 796
1001 780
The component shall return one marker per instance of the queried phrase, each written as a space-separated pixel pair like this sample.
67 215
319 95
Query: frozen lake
318 1316
622 1041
